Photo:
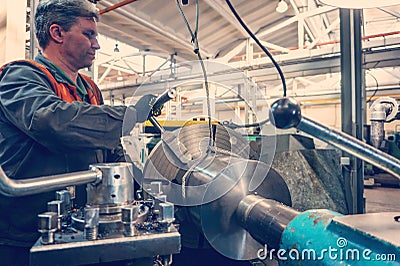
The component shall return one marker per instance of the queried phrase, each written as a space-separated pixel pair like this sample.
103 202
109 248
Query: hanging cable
265 50
232 125
376 90
197 52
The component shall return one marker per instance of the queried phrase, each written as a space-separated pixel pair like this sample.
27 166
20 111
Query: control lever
170 142
161 100
287 114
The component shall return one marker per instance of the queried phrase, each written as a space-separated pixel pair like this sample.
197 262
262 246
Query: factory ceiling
306 30
303 37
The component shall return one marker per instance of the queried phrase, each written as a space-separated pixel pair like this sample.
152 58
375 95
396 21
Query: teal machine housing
324 237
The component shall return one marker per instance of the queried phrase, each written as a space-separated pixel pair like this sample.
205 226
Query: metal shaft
265 219
351 145
15 188
286 113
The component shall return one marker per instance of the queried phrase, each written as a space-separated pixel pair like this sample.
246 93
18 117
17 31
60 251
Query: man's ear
56 33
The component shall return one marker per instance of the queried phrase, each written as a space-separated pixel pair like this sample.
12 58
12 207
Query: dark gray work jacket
42 135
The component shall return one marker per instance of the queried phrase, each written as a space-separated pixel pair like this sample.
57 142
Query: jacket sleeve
28 102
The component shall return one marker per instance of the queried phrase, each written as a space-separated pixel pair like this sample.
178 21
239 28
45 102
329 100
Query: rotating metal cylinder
114 192
115 189
213 183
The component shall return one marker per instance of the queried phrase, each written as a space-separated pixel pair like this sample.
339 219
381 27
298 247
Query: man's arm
29 103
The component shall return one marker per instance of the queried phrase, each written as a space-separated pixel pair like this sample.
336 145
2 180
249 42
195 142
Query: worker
52 118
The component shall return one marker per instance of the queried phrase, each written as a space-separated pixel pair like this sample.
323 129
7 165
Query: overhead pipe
118 5
325 43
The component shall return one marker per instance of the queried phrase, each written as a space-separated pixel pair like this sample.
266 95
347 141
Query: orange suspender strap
95 94
62 90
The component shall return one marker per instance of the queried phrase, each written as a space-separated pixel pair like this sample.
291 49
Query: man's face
80 44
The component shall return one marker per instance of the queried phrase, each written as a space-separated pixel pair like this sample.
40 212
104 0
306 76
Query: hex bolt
92 219
58 207
64 196
47 225
129 216
155 187
166 212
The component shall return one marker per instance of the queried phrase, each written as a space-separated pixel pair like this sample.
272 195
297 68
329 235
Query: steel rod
23 187
352 146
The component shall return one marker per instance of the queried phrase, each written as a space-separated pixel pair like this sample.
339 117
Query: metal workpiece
335 138
47 226
23 187
190 157
211 183
115 189
265 219
222 223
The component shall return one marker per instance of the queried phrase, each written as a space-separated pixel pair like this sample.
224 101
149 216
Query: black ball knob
285 113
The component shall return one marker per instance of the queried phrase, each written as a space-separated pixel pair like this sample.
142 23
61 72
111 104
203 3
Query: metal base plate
74 249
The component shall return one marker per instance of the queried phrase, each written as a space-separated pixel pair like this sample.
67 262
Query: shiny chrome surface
186 159
238 236
265 219
115 189
15 188
382 110
351 145
211 182
377 133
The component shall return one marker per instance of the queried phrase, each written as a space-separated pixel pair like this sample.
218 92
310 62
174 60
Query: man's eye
89 35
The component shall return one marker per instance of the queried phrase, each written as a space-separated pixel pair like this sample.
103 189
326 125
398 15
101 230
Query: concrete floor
382 199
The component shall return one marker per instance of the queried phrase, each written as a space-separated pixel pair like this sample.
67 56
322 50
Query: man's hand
144 108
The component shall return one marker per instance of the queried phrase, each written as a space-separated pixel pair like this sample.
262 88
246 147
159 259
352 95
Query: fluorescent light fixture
282 7
358 4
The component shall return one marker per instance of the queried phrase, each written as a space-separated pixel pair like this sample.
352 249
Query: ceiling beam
294 19
221 8
157 29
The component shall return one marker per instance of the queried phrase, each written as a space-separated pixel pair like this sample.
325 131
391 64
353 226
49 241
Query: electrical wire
265 50
196 50
235 126
377 87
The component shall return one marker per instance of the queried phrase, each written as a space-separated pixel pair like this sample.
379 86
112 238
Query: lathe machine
242 206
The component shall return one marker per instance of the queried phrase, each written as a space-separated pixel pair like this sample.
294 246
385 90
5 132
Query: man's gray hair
62 12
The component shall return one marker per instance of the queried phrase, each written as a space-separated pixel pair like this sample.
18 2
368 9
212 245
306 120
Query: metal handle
163 98
15 188
286 113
